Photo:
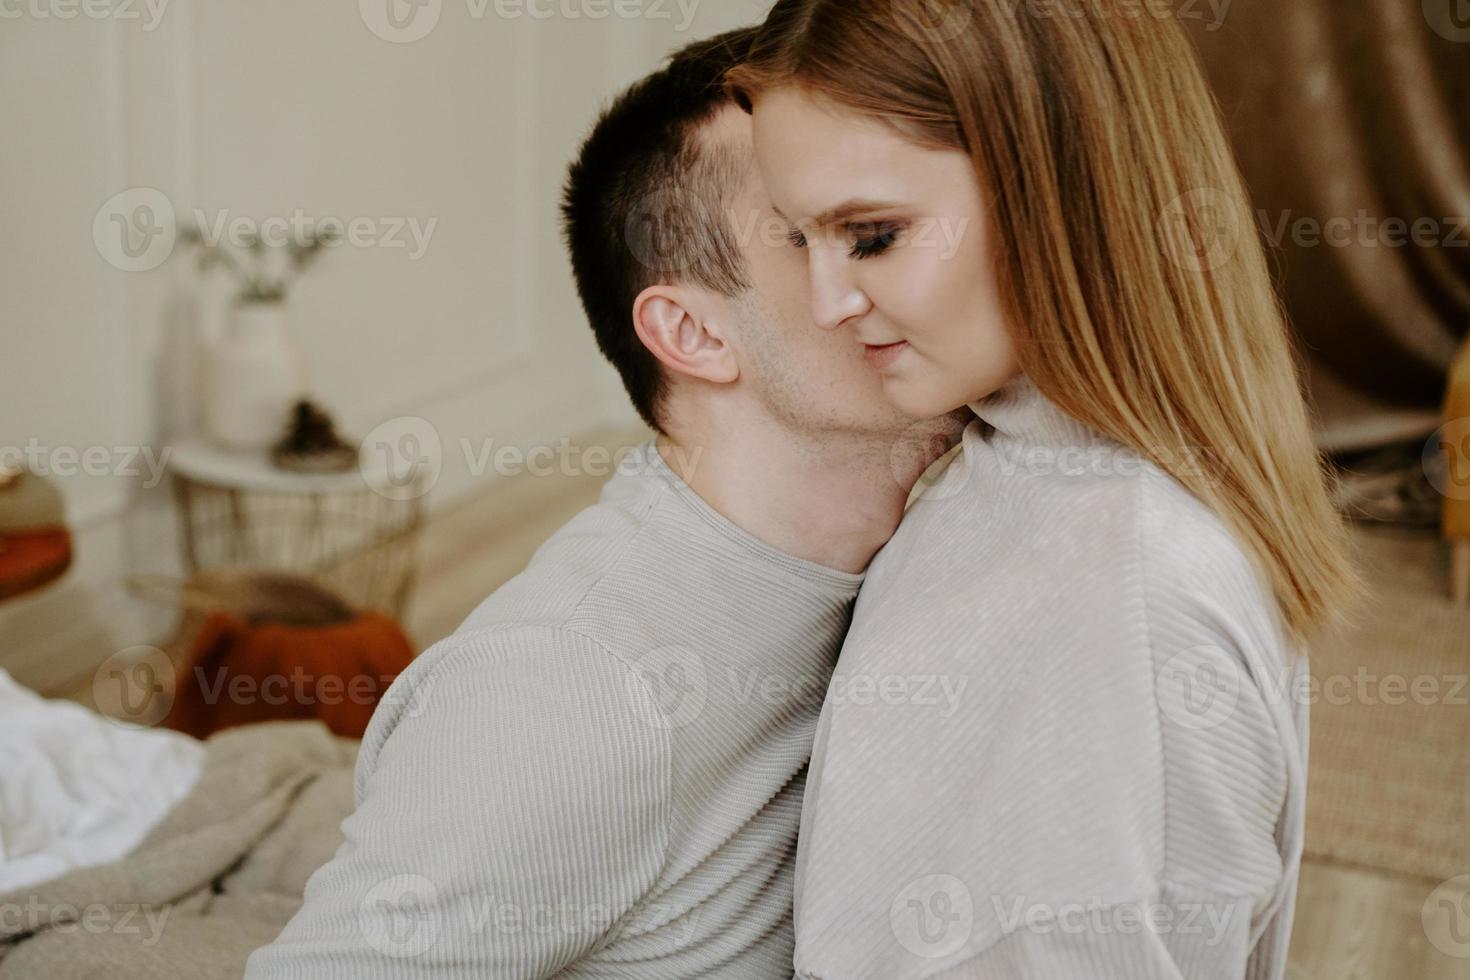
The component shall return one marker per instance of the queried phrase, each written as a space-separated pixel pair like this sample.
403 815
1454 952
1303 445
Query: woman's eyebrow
846 209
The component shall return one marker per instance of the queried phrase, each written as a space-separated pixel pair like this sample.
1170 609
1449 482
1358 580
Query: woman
1031 209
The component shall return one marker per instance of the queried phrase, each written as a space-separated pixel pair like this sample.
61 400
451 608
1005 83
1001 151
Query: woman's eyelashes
873 238
869 238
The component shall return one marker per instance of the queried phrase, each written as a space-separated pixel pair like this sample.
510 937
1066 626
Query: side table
354 532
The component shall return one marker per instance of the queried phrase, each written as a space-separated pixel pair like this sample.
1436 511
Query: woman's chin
914 398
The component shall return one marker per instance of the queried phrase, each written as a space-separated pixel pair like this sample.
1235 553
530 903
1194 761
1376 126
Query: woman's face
897 245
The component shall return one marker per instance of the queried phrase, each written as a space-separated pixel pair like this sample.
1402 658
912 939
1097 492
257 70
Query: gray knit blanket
216 879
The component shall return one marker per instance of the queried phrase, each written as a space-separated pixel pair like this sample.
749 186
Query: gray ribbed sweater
1114 786
599 774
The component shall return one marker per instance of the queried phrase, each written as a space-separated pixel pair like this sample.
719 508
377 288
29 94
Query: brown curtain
1357 110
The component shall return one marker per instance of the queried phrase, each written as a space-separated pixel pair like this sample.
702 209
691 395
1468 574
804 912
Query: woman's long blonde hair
1136 286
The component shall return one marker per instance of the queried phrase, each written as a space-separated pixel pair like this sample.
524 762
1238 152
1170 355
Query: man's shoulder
600 541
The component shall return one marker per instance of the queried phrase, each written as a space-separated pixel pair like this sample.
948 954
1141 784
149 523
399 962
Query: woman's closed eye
869 238
873 238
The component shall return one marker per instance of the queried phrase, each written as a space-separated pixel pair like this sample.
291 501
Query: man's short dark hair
645 203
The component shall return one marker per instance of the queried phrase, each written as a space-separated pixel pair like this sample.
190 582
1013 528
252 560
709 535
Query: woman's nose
836 298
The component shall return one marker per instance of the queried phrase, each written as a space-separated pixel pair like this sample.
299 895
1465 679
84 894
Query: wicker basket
361 545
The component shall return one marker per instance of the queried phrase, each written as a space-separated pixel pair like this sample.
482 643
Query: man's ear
672 327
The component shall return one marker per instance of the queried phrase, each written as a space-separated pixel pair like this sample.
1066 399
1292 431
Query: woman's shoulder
1191 560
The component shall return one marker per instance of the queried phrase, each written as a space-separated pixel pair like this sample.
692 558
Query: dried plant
256 265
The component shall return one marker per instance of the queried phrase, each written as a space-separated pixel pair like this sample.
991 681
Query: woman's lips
882 355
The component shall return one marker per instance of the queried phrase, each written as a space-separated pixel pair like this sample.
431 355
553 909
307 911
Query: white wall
270 107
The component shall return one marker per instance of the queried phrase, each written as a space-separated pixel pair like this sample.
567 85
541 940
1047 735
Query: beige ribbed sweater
599 774
1114 787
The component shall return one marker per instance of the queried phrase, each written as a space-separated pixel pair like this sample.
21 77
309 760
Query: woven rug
1389 774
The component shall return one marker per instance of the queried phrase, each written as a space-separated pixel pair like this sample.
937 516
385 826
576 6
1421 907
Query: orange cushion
237 673
30 559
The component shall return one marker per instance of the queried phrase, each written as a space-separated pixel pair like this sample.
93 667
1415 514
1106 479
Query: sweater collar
1018 412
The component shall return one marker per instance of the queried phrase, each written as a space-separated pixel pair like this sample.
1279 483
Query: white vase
253 373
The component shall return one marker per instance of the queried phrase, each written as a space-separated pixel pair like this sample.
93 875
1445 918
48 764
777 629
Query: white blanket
77 789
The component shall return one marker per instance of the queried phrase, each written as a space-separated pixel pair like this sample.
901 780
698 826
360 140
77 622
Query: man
600 773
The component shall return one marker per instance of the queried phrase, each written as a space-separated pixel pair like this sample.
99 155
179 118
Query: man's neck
832 501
